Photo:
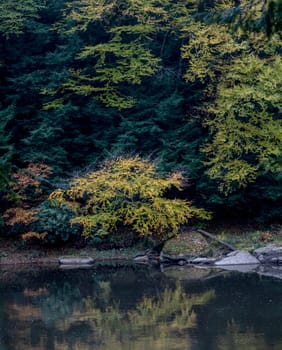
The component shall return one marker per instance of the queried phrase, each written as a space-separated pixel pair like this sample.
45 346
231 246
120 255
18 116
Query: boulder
143 259
238 257
270 254
76 260
173 259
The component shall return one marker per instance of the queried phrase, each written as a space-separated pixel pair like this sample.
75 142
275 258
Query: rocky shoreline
197 249
265 261
271 254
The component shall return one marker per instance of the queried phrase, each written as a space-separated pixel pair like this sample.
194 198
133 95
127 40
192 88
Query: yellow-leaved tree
127 193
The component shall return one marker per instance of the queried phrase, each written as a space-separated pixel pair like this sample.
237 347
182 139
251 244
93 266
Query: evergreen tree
14 15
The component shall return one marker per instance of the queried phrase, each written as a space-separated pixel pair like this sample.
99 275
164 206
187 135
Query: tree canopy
127 193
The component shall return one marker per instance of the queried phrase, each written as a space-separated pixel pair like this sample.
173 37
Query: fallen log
207 234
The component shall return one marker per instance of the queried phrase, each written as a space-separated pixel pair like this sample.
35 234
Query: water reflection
138 308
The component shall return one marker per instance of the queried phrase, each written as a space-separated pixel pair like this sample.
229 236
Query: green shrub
54 218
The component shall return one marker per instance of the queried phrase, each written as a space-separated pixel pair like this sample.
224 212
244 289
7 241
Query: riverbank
188 242
17 253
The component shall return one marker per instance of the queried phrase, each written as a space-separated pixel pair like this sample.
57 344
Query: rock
271 254
206 261
164 258
181 262
238 257
76 260
141 259
173 259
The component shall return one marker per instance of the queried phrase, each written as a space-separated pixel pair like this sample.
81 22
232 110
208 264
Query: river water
129 307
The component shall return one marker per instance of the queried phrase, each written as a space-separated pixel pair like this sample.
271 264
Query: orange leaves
40 169
17 215
26 190
30 235
23 218
30 176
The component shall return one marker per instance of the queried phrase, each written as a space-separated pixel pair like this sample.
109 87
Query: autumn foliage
25 191
18 215
127 193
31 178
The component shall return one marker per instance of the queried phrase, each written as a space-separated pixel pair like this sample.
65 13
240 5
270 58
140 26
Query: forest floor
188 242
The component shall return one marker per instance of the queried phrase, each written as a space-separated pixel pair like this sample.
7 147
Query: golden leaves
127 192
245 129
209 50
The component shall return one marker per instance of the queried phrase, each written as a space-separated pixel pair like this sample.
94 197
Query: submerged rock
238 257
76 260
271 254
270 271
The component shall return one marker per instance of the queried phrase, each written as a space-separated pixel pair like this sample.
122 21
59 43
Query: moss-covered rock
191 243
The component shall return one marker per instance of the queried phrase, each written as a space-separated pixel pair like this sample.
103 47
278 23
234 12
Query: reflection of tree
236 338
61 302
155 323
111 308
64 314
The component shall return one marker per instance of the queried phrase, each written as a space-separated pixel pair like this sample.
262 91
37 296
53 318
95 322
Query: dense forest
189 91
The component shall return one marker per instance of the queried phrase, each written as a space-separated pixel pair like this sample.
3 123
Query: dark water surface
138 308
